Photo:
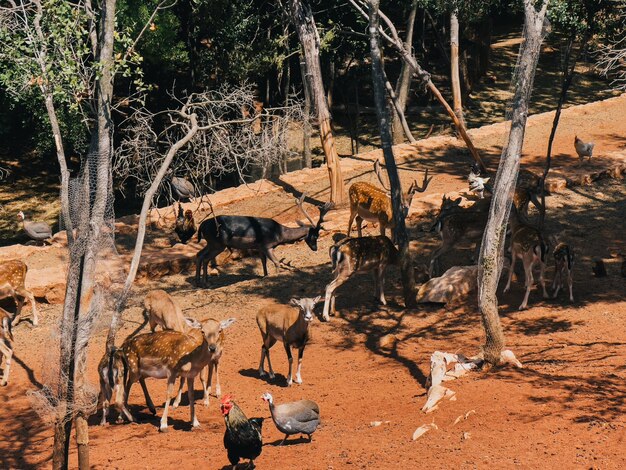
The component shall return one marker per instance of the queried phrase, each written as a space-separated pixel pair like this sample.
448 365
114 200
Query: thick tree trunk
454 66
302 19
306 127
492 249
400 232
403 86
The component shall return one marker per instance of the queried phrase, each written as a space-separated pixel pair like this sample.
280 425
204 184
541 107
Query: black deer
260 234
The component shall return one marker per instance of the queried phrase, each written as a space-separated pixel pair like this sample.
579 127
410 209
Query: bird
476 182
298 417
183 189
242 438
37 231
185 226
582 149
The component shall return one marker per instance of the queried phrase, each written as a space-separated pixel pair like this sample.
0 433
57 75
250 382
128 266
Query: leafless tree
454 65
492 249
612 61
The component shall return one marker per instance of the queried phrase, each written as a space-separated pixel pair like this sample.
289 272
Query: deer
527 244
253 233
289 324
564 265
455 223
359 255
112 371
6 344
168 355
369 202
12 284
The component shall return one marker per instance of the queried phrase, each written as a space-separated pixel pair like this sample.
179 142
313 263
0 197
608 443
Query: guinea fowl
476 182
298 417
582 149
185 226
37 231
242 438
183 188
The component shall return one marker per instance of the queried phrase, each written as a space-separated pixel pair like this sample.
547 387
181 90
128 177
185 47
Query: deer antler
299 202
380 176
414 187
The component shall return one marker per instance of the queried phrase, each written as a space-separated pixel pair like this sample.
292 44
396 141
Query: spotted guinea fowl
242 438
37 231
298 417
582 149
183 189
185 226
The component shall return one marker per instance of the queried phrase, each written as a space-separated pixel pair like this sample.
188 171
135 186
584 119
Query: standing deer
253 233
359 255
369 202
168 355
112 371
527 244
6 344
289 324
564 266
12 284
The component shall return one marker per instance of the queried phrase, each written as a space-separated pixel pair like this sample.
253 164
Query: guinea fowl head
267 396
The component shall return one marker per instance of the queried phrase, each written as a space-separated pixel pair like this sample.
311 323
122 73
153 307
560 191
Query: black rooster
185 225
242 438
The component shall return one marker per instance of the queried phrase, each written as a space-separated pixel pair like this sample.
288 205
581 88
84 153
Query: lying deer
12 284
289 324
527 244
369 202
455 223
359 255
6 344
564 265
168 355
112 371
253 233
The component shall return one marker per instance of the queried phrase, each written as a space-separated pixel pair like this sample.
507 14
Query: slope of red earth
565 408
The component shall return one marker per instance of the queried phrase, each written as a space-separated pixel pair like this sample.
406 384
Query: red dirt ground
564 409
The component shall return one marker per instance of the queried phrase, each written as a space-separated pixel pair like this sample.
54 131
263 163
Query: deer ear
294 302
226 323
457 201
317 299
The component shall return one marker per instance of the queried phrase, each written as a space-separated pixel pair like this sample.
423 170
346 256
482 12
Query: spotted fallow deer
358 255
369 202
12 284
6 344
169 355
527 244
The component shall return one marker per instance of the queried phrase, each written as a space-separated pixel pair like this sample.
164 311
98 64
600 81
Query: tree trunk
403 86
400 232
302 19
492 249
454 66
306 127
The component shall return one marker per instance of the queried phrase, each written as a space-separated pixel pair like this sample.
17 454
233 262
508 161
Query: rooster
185 226
582 149
242 438
476 183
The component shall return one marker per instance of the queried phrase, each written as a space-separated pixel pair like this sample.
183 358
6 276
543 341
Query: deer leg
206 382
269 252
570 283
263 263
200 262
7 352
528 269
168 394
511 268
192 406
351 221
359 222
290 359
556 283
151 407
330 292
179 394
268 342
300 356
379 276
25 294
542 268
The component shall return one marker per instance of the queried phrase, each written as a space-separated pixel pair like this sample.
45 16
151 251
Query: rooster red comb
227 399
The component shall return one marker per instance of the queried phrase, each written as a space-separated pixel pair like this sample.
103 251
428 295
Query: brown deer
6 344
369 202
289 324
12 284
564 266
168 355
527 244
112 371
455 223
359 255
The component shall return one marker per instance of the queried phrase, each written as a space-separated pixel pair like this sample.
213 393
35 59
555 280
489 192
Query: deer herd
186 348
